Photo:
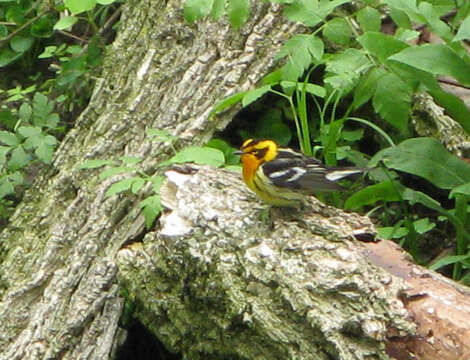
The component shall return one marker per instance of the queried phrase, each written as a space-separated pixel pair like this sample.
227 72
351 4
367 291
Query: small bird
282 177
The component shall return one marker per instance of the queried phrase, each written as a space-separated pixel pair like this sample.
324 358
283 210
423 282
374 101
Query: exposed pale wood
59 297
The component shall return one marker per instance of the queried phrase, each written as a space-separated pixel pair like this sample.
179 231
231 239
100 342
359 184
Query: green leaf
7 119
423 225
19 158
386 191
300 50
29 131
130 160
392 232
345 68
228 102
114 171
160 135
403 5
9 138
6 188
454 106
463 189
381 45
272 78
105 2
366 87
238 12
16 178
93 164
49 51
337 30
44 152
392 100
369 19
79 6
119 187
3 30
447 260
464 30
43 27
311 12
304 11
255 94
437 59
289 86
406 34
151 207
228 150
157 182
65 22
196 9
50 140
414 197
433 19
199 155
25 112
401 19
7 56
42 107
352 135
52 120
218 9
20 43
137 184
3 154
427 158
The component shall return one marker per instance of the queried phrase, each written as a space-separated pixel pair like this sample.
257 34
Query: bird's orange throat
250 164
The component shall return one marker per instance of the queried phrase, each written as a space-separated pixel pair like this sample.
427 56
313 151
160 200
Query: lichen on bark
231 285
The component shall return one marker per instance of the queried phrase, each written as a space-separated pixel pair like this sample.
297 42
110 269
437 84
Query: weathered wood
253 290
59 298
214 278
217 279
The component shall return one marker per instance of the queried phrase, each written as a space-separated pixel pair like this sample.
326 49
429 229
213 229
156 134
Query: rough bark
429 119
58 291
59 297
214 280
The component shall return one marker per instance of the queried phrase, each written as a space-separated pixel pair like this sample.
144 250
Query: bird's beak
238 152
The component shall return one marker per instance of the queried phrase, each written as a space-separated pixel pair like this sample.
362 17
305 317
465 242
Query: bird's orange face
253 154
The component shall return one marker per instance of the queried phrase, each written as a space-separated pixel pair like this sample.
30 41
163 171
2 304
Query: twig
24 26
106 26
75 37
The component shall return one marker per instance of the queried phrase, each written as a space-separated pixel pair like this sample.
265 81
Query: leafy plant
29 139
216 153
356 65
42 36
428 159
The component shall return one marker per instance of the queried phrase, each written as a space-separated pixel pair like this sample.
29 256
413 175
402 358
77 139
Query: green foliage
427 159
216 153
36 107
356 66
29 139
236 10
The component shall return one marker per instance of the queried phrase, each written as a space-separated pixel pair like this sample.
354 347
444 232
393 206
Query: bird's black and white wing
296 171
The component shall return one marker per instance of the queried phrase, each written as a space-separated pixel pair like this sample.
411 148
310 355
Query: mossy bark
217 281
59 296
231 285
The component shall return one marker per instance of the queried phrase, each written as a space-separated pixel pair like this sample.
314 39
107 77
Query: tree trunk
210 280
215 279
59 297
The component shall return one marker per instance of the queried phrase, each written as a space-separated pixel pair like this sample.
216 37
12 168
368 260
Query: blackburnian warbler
282 177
